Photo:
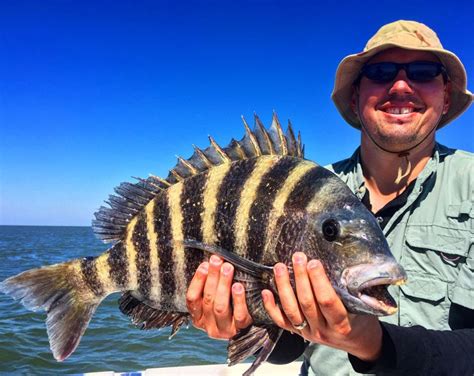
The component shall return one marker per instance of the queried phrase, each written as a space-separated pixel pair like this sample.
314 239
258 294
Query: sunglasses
416 71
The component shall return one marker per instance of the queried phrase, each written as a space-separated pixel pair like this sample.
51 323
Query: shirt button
380 219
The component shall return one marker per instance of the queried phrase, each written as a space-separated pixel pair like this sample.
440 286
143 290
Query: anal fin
146 317
248 341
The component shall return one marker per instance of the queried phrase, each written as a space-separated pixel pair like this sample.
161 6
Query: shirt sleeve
288 348
419 351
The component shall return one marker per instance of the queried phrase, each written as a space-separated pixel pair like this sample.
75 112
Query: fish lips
363 287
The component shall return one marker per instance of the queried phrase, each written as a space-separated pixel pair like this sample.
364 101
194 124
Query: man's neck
382 171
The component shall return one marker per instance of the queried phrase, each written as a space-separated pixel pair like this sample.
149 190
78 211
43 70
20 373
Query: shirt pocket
435 250
423 301
432 258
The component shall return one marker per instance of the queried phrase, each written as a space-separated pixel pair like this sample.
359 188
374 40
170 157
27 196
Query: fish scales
90 275
131 255
272 231
142 260
247 198
118 264
102 268
211 190
229 200
259 215
179 270
165 250
291 225
192 206
152 236
254 203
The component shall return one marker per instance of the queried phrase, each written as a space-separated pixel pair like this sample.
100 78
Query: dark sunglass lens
382 72
423 71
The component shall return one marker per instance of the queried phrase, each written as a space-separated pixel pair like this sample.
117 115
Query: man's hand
317 304
208 300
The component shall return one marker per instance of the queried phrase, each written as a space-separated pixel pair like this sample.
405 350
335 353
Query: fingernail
313 264
238 288
215 260
204 267
226 269
279 269
298 258
264 296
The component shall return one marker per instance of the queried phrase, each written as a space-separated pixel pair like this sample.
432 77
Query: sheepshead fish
254 203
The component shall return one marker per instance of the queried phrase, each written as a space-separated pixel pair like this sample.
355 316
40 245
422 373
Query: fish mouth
367 285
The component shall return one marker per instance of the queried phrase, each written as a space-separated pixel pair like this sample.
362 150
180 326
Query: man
398 92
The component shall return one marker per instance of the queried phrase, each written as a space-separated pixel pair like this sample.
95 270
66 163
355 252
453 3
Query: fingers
304 292
212 281
274 311
209 300
287 296
242 317
195 291
329 303
222 310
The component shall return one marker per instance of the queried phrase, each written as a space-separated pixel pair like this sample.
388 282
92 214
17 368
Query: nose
401 84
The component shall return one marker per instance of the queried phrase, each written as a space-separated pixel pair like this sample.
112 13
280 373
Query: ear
447 97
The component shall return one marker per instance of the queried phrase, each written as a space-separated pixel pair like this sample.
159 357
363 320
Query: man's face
401 113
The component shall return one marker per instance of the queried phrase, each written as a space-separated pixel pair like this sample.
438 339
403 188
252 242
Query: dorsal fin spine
189 166
300 146
252 138
281 135
148 183
240 150
160 180
202 156
225 158
177 176
266 137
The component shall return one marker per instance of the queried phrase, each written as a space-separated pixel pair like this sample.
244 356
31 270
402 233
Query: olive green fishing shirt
432 237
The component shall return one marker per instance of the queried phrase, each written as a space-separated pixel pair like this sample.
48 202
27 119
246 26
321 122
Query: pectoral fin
250 267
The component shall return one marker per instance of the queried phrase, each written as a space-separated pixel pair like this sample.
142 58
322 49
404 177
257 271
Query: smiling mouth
400 110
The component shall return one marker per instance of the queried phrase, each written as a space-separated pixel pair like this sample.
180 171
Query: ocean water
111 342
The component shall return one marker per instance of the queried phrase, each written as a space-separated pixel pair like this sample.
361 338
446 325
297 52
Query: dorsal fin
110 222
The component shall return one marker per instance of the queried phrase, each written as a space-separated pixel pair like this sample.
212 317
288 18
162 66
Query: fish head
348 240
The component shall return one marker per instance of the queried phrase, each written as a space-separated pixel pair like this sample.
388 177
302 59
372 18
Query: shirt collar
439 152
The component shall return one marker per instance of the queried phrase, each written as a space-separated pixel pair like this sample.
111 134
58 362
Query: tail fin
60 291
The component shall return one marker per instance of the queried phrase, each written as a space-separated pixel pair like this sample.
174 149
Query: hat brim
349 69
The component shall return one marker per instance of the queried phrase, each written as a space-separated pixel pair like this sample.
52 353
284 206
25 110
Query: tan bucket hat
409 35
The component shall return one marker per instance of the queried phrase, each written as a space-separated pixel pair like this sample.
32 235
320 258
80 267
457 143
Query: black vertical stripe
291 225
192 206
165 251
89 274
307 187
118 264
228 200
269 186
142 247
290 229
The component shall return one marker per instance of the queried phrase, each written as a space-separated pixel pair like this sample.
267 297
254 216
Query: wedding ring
301 326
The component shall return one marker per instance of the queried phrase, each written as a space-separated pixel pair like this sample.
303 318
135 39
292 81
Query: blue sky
94 92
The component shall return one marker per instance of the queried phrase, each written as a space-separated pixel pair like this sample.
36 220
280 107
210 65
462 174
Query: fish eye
330 229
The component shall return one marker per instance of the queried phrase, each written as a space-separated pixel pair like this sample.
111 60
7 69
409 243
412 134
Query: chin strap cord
400 174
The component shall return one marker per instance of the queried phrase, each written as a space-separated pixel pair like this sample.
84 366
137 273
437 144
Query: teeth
399 110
